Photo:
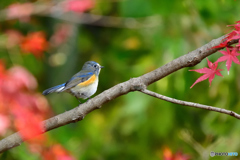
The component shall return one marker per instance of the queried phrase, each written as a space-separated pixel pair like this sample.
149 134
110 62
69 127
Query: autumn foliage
209 73
21 107
34 43
230 55
169 155
78 6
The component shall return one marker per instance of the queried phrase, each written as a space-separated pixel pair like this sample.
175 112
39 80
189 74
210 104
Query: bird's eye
95 66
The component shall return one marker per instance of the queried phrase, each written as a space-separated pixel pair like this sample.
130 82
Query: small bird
81 85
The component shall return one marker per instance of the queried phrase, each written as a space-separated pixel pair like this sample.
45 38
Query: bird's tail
54 89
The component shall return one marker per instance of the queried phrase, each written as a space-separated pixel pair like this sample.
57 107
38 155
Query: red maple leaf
34 43
57 152
14 38
238 45
22 78
231 36
61 34
18 99
236 26
20 11
4 124
78 6
27 122
209 73
222 44
230 56
169 155
235 34
26 109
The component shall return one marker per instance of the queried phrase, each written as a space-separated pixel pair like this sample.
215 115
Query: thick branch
134 84
190 104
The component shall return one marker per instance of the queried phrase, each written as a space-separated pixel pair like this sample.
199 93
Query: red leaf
236 26
17 98
57 152
222 44
26 109
62 32
20 11
79 5
35 43
238 45
27 122
209 73
235 34
23 78
14 38
168 155
230 56
4 124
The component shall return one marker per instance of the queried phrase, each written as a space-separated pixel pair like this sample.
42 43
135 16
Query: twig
190 104
134 84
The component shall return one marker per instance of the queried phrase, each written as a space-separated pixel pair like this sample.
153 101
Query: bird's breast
91 80
85 89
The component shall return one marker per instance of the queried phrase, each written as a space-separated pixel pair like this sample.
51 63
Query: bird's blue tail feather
54 89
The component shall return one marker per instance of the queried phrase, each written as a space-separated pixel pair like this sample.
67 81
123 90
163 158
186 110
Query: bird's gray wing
77 78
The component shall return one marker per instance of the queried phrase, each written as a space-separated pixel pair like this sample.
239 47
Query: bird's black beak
101 66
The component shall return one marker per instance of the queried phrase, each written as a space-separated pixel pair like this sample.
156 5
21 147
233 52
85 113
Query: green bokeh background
137 126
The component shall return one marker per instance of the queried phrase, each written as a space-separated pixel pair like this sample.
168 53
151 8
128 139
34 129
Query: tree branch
191 104
57 12
134 84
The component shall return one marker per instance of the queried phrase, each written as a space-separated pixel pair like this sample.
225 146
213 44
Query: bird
83 84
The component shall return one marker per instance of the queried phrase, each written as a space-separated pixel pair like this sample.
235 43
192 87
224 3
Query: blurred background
43 43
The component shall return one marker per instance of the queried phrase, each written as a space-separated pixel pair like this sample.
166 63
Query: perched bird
81 85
